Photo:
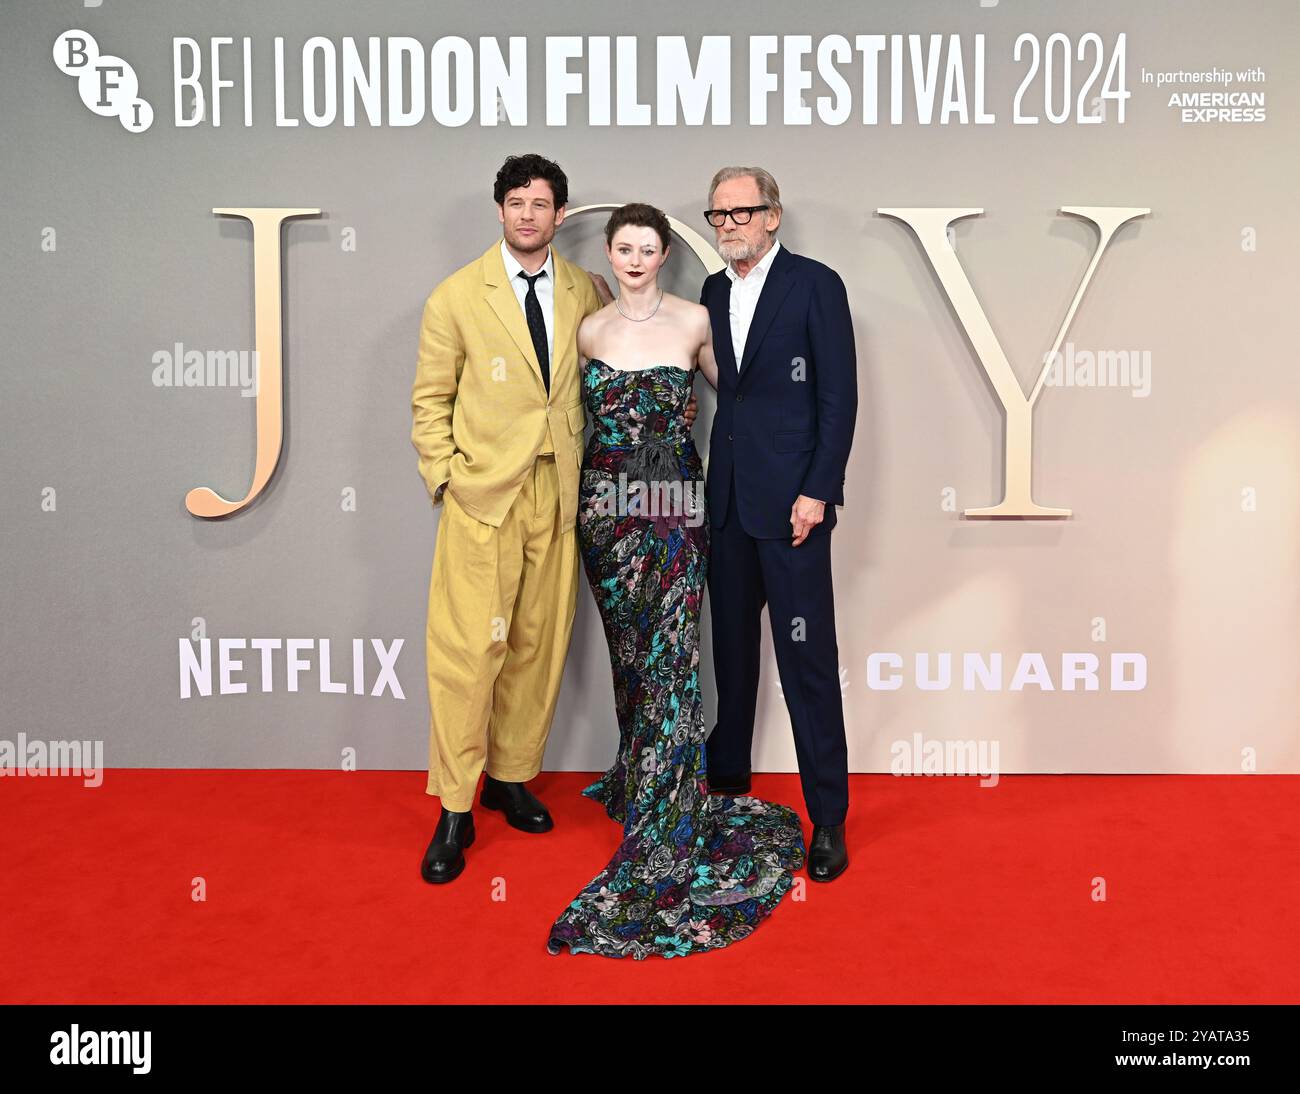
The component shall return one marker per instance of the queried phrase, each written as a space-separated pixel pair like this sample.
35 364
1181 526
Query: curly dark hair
519 171
638 215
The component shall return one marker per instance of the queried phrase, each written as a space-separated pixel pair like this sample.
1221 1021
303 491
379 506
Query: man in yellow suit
498 424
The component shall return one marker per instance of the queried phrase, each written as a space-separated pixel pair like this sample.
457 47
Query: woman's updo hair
637 215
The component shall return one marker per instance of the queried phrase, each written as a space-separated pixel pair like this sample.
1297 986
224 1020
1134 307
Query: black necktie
537 327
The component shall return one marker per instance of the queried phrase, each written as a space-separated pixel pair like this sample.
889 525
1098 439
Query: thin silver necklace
644 317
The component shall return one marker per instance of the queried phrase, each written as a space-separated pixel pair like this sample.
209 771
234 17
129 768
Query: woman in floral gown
693 871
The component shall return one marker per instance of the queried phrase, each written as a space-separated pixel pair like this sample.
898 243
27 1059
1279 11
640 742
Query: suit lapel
566 311
501 299
720 315
775 289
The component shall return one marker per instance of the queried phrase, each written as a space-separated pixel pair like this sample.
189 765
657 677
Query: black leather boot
827 856
445 858
731 785
522 810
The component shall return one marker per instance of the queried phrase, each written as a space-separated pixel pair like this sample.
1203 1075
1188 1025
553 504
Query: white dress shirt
545 291
745 292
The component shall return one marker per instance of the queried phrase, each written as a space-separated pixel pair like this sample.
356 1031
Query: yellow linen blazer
480 409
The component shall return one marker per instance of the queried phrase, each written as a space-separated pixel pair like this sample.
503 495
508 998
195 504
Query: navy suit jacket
778 434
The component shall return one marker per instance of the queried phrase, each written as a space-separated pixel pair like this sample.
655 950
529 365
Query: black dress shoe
522 810
445 858
827 856
731 785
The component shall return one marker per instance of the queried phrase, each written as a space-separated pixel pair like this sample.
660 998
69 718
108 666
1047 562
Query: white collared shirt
745 292
545 291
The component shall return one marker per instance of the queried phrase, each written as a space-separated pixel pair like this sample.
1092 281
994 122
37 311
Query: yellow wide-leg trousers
501 607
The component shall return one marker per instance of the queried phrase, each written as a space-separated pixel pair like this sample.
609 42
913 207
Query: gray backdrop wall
1183 547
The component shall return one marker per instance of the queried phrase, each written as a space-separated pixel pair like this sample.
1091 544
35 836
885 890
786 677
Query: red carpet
955 893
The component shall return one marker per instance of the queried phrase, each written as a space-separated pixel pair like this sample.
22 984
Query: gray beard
737 250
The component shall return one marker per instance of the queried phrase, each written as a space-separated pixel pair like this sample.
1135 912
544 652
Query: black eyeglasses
739 216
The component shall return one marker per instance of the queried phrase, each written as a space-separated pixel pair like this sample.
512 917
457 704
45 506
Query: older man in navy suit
787 401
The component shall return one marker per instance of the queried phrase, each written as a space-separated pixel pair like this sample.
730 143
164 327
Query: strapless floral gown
693 871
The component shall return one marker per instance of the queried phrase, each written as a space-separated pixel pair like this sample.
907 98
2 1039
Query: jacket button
740 398
728 436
